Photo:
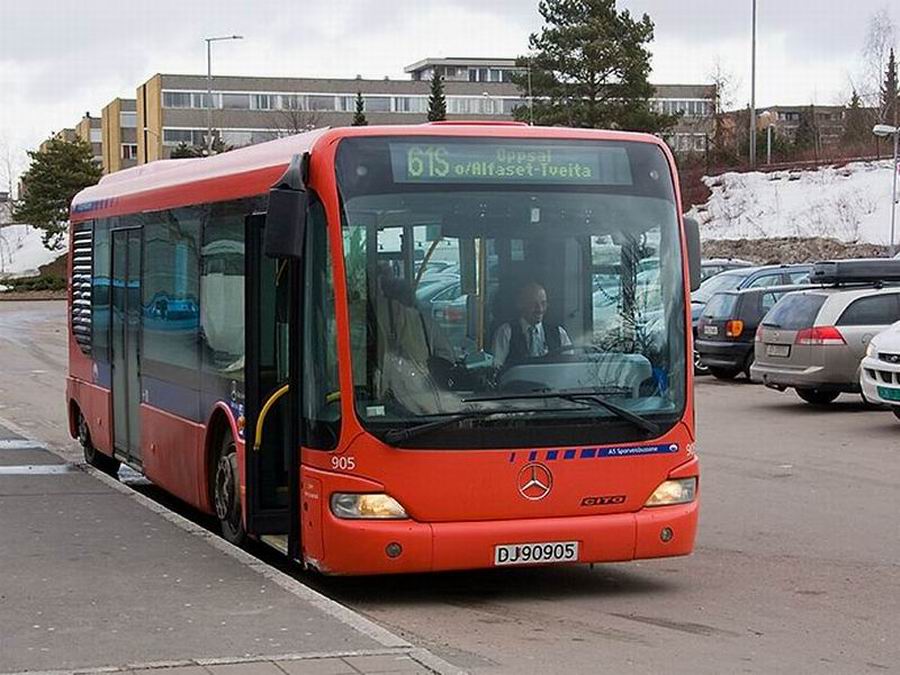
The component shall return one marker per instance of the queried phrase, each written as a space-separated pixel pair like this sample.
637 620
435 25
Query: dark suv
738 279
727 327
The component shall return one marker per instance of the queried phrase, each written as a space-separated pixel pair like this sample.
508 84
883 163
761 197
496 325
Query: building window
201 99
237 139
129 151
128 120
320 103
291 102
176 99
378 103
176 136
96 135
410 104
236 101
262 101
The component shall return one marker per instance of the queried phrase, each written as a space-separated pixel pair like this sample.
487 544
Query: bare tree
292 121
881 37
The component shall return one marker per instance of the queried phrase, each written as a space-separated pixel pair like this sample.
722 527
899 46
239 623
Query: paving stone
385 664
253 668
317 667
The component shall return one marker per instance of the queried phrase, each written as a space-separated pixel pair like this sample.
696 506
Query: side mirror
286 216
692 237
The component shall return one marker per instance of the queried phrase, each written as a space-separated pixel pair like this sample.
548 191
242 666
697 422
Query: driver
529 337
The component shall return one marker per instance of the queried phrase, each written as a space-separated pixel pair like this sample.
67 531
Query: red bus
399 349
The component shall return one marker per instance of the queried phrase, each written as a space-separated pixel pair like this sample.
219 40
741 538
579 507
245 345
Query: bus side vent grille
82 270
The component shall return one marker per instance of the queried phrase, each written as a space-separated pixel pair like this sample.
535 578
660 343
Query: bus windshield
484 273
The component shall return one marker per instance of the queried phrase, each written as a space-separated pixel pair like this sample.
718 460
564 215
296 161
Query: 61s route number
343 463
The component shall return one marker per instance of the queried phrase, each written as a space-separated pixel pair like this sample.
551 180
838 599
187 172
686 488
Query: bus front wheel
92 456
226 493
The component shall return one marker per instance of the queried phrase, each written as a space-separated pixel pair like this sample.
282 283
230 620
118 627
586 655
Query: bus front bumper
371 547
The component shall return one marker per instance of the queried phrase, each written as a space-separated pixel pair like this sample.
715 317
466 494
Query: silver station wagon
814 340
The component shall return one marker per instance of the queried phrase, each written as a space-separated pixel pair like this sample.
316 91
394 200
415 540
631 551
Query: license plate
778 350
889 394
529 554
710 330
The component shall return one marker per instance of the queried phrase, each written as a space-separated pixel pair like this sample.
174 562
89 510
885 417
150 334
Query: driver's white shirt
538 347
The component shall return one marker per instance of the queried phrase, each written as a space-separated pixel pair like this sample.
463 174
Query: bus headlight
679 491
358 506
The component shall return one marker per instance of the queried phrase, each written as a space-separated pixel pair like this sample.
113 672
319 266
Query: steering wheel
573 349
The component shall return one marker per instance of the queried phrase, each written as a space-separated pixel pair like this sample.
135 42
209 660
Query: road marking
36 469
20 444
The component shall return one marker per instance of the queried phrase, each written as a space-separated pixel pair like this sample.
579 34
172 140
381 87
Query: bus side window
322 405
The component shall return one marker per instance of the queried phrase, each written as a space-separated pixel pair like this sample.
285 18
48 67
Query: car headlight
360 506
679 491
871 351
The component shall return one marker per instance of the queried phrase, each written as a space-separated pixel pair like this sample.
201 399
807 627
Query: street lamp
884 130
753 91
209 41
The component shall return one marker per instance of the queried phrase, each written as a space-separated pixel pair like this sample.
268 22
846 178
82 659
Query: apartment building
119 134
173 109
88 129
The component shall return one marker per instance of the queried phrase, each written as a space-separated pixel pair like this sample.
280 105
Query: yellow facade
149 120
112 135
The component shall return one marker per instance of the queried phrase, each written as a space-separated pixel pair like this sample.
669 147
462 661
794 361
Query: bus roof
252 170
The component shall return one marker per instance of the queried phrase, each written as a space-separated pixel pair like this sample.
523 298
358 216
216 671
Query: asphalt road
795 568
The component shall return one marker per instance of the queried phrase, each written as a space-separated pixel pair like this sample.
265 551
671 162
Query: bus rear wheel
92 456
226 493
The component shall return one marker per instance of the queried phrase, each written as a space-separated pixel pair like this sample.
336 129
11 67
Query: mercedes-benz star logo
534 481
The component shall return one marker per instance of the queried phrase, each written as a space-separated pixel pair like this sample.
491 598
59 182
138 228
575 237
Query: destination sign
499 162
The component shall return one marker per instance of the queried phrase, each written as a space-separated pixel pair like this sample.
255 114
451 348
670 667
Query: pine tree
890 96
856 124
52 180
359 117
183 151
590 67
805 137
437 102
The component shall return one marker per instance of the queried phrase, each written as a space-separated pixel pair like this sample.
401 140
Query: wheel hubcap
225 494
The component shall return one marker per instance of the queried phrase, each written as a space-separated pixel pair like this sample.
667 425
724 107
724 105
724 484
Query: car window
766 280
798 277
769 300
720 306
877 310
795 311
726 281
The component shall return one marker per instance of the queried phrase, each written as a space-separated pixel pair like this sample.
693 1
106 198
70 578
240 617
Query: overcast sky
60 58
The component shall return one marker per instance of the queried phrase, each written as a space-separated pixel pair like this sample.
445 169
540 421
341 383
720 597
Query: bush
36 284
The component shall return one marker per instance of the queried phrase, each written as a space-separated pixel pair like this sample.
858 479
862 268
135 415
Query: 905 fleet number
529 554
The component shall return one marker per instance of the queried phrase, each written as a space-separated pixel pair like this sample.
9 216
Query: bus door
125 333
272 429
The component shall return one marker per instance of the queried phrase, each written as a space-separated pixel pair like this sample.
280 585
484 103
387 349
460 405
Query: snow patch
851 203
22 251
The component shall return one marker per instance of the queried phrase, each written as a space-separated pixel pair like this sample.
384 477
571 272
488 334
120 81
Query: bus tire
92 456
817 396
226 492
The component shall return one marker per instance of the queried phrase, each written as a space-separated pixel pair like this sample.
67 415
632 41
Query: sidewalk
95 577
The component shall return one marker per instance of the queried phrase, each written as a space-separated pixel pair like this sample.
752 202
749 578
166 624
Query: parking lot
795 568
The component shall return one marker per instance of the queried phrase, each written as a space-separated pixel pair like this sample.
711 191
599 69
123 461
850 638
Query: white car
879 372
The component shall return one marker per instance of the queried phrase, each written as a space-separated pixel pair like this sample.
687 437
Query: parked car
739 279
879 372
710 267
814 340
727 328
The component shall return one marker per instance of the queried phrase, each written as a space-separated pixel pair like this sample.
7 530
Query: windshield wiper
399 435
586 396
